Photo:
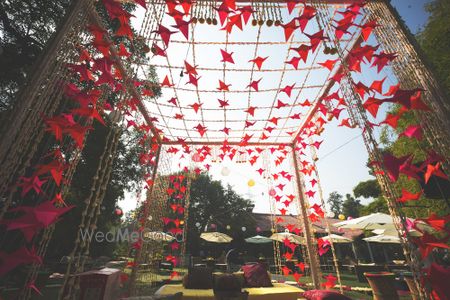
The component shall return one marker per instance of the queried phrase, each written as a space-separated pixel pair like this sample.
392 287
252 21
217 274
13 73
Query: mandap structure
250 81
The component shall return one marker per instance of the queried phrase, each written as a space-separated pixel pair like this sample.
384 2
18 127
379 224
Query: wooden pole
310 247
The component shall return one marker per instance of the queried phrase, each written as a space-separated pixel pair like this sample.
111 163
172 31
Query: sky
342 155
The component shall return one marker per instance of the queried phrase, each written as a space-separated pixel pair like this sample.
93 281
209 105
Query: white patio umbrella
372 221
393 232
159 236
337 238
216 237
293 238
258 239
381 238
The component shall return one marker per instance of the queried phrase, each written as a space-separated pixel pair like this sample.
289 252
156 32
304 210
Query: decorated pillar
413 71
311 248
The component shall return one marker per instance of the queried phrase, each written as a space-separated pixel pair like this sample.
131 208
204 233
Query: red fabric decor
439 276
324 295
256 276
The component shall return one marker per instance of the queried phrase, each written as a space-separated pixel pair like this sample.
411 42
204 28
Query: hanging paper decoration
118 212
341 217
272 192
251 183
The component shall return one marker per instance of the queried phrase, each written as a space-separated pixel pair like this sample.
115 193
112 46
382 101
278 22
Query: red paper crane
303 51
34 218
382 59
367 28
316 39
223 12
223 103
156 50
254 84
329 64
246 12
166 82
226 57
258 61
31 183
183 26
251 111
289 28
407 196
413 131
190 69
294 62
288 89
165 34
196 106
201 129
193 80
19 257
223 86
292 3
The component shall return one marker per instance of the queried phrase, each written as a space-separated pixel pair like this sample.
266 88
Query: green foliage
211 203
377 205
25 27
435 40
335 202
351 207
367 189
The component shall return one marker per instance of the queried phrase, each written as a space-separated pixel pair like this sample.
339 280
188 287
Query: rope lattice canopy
258 84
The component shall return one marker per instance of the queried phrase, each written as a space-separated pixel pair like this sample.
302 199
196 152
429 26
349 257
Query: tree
434 40
211 203
335 202
25 27
377 205
367 189
351 207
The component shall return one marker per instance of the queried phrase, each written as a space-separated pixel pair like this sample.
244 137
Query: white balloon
244 229
197 224
225 171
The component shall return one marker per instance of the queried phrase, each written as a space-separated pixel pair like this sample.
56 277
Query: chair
361 269
383 285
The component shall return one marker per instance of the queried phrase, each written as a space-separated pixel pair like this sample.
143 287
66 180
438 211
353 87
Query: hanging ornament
331 214
213 226
225 171
182 222
150 218
341 217
258 229
244 229
196 157
272 192
349 218
251 183
197 224
118 212
228 227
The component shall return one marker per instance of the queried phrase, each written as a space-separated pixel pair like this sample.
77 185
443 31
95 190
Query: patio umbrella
258 239
337 238
281 236
381 238
216 237
394 232
372 221
159 236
